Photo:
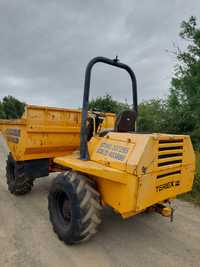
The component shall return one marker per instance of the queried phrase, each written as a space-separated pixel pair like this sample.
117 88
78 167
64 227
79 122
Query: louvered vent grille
170 154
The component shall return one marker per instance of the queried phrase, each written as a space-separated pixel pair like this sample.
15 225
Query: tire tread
89 205
22 184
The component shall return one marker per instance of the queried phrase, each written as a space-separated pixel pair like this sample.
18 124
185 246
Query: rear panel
173 173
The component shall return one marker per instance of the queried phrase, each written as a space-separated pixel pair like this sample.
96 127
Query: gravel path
27 239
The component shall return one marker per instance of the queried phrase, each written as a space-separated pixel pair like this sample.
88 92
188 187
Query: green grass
194 195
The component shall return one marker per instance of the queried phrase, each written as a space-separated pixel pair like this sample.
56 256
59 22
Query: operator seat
125 121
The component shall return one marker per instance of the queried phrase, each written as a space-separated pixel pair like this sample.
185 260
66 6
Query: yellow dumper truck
102 160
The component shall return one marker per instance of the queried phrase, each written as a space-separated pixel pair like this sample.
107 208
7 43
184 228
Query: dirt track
26 237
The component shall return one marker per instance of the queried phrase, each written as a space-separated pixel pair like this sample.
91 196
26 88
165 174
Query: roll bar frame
114 62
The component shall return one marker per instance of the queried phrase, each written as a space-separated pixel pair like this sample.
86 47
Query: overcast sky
45 46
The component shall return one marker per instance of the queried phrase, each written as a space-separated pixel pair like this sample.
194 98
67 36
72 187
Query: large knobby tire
18 182
74 208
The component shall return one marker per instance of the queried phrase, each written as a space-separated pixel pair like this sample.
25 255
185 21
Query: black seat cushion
125 121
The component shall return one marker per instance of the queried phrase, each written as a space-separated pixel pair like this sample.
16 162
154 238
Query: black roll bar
114 62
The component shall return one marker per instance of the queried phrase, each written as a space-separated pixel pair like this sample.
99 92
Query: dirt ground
27 239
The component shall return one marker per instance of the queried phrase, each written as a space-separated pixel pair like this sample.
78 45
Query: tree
107 104
184 98
2 113
152 116
11 108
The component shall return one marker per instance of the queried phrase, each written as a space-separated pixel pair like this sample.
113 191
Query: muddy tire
18 182
74 208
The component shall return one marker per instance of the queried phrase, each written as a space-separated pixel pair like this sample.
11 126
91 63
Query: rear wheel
74 208
18 182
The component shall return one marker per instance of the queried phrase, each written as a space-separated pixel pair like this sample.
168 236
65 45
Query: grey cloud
45 46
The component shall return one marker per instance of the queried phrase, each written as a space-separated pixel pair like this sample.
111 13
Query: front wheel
74 208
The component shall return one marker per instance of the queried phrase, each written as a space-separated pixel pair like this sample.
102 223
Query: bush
194 195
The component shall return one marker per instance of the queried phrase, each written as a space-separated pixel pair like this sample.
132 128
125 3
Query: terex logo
167 185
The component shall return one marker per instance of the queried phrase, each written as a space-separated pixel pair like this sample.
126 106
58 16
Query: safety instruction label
114 151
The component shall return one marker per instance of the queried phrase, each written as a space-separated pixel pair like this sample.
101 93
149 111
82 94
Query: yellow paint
136 171
132 171
166 211
46 132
